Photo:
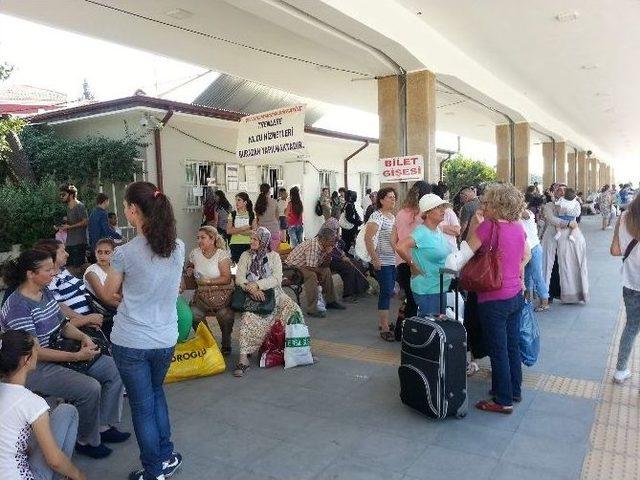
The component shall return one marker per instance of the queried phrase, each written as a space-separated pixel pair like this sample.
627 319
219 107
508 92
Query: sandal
541 308
490 406
472 369
241 370
392 326
388 336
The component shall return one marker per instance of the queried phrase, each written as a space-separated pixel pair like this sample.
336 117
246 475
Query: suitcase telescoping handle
455 274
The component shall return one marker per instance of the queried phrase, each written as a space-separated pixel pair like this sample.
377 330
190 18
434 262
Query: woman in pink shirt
406 220
499 310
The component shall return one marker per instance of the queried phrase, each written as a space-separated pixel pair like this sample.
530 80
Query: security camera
144 122
589 153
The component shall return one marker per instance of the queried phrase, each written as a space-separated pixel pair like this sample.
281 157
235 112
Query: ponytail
159 227
14 344
261 202
15 270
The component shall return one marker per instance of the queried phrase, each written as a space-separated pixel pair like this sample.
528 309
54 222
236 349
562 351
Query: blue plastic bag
529 335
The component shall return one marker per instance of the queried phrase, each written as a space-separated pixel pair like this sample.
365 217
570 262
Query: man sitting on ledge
312 258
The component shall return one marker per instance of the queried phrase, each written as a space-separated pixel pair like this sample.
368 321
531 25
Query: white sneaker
621 375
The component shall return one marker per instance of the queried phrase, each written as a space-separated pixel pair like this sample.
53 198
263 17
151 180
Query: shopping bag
272 349
185 318
297 344
529 335
197 357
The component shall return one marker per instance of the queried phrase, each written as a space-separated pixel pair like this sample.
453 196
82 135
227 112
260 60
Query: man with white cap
425 251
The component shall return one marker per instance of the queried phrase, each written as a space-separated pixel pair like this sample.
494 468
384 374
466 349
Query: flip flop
388 336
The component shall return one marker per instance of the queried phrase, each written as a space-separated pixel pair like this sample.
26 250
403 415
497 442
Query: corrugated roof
27 93
238 95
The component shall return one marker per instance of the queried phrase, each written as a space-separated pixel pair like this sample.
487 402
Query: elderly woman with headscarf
350 270
259 270
565 259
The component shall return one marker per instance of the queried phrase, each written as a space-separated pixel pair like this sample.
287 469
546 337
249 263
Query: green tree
460 172
10 127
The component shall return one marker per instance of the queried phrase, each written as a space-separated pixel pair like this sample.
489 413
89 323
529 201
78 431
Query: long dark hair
632 218
262 201
244 196
295 201
49 245
222 201
159 227
15 271
14 344
383 192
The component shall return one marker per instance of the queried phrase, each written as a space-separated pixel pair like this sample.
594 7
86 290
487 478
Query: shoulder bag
483 272
213 297
629 249
58 342
241 301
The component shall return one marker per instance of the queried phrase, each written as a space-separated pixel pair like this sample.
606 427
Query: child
61 235
282 206
568 209
95 278
113 221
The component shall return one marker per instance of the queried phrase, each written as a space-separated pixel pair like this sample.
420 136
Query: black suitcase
433 378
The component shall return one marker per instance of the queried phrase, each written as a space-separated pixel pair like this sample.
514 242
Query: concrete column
548 172
561 162
593 174
583 172
572 170
613 175
389 117
421 121
503 150
522 147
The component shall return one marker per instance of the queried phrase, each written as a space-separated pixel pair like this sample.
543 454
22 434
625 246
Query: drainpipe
449 154
158 148
346 162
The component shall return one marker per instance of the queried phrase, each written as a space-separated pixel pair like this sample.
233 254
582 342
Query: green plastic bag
185 319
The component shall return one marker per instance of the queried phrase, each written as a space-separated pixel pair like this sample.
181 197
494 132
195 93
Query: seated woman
97 393
260 269
68 290
210 264
354 283
23 412
94 279
425 251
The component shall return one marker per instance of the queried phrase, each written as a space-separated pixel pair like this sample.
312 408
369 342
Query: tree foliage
460 172
86 162
28 212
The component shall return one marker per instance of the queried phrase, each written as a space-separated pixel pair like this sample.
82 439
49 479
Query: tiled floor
342 418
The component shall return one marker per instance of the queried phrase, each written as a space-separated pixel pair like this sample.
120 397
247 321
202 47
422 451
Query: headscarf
258 257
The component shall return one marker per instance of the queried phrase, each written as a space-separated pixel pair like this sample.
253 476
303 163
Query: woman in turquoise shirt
425 251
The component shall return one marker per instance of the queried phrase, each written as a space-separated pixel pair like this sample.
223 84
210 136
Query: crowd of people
121 314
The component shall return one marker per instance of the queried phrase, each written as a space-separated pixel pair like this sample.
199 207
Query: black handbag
241 301
58 342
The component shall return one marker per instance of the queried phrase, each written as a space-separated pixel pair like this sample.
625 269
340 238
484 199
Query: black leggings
404 280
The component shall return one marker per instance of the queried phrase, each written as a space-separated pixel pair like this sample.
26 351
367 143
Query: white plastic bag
297 345
451 306
321 304
361 246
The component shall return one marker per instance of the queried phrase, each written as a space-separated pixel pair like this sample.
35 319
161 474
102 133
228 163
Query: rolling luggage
432 370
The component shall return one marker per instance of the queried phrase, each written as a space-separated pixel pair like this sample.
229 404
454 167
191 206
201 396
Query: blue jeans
143 373
500 320
429 303
631 328
534 279
295 235
386 277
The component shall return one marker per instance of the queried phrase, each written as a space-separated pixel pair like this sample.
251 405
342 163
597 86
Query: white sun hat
431 201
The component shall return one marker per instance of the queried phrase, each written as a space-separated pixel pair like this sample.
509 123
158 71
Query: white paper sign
402 169
271 136
251 177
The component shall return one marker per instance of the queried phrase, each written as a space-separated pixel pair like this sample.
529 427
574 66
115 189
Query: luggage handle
455 274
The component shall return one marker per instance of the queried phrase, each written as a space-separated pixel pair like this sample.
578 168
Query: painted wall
177 148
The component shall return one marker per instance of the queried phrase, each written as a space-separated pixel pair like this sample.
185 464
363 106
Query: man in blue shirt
99 226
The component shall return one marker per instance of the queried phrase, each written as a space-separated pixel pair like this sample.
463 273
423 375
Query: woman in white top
625 244
210 264
23 412
533 276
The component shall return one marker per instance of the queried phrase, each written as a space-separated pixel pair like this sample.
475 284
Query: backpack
318 208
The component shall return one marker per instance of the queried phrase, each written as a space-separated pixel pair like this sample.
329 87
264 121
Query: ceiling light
603 94
567 17
449 113
179 13
590 66
481 125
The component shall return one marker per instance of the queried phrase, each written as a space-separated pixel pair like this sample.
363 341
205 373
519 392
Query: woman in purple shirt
499 310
